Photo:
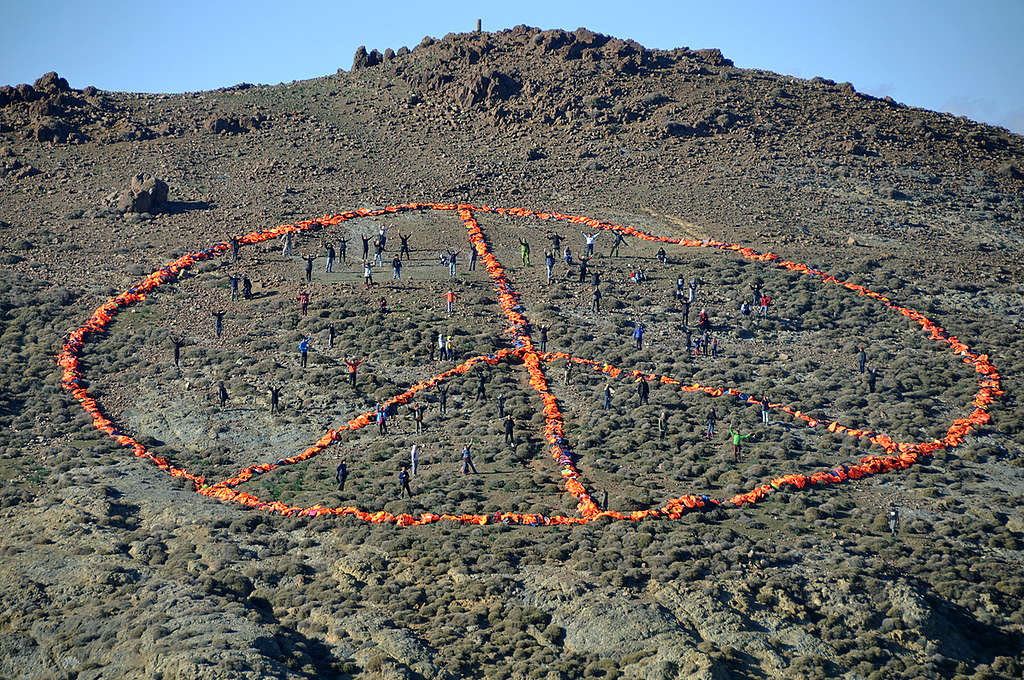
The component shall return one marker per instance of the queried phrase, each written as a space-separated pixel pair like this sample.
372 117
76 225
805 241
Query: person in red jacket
450 297
352 366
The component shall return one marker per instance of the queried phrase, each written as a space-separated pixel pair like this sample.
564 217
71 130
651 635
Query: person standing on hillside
366 246
686 313
218 321
367 275
234 288
330 258
177 343
341 474
246 288
275 395
524 247
287 250
330 335
303 302
509 428
692 297
352 366
643 392
893 518
614 252
472 259
501 404
396 268
481 387
736 439
567 372
712 419
556 241
591 238
343 249
638 335
662 424
414 459
404 250
222 394
450 298
583 269
382 419
417 418
235 248
309 267
596 305
544 337
378 254
872 377
467 461
304 351
549 263
403 481
862 358
382 237
608 392
764 409
567 255
442 396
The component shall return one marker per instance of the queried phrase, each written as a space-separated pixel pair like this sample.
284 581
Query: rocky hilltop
111 569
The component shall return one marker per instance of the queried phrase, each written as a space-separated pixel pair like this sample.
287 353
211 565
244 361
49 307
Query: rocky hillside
111 569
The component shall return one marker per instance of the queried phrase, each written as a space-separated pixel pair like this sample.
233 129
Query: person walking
309 267
608 392
638 335
712 419
467 461
341 475
544 337
177 343
275 395
643 392
862 359
524 247
218 321
450 298
303 302
596 305
417 418
764 409
403 480
549 263
235 280
330 258
404 250
304 351
222 394
414 456
591 238
396 268
352 366
509 428
736 439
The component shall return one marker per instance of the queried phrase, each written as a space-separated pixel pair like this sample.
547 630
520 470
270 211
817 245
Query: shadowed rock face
111 569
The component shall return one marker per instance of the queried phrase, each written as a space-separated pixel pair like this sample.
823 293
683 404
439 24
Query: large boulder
146 194
486 86
51 83
364 59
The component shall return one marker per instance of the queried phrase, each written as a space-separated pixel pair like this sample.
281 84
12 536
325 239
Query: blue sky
957 56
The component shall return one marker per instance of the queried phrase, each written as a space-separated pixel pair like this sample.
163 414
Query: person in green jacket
736 439
525 251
